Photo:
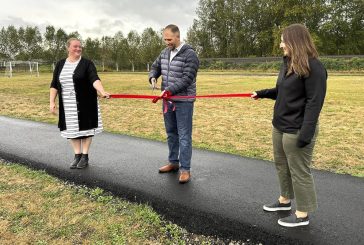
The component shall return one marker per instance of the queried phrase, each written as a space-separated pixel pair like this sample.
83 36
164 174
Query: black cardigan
84 76
298 100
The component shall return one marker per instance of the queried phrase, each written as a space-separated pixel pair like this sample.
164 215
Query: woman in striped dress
77 84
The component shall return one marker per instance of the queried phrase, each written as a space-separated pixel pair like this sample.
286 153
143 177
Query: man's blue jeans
178 125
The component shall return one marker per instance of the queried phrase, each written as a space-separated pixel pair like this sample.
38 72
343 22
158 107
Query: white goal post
20 67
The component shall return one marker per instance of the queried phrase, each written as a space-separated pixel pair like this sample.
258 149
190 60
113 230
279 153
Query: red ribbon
132 96
168 97
156 98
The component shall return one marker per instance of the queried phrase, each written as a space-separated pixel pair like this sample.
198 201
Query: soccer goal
12 68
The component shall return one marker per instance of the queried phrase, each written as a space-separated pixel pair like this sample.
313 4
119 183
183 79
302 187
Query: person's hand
52 108
254 95
301 143
165 94
104 95
153 83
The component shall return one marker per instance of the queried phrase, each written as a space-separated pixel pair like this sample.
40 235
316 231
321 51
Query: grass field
36 208
239 126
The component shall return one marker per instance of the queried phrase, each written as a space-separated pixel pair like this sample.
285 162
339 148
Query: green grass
239 126
39 209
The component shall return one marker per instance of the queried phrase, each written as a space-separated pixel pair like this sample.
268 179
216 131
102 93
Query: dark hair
173 28
300 47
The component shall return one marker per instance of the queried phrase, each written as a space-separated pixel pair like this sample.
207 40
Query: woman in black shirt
299 94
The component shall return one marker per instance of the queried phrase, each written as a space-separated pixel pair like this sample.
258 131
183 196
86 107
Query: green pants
293 168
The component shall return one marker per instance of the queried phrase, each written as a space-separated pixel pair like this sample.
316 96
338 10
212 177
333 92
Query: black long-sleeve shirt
298 100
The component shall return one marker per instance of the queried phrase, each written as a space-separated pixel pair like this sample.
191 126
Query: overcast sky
96 18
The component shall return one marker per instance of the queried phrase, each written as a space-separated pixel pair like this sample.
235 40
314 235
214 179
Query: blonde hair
300 48
68 43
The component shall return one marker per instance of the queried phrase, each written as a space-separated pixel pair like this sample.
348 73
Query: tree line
235 28
132 51
223 28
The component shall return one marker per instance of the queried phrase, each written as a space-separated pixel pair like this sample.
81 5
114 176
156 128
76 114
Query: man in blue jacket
178 65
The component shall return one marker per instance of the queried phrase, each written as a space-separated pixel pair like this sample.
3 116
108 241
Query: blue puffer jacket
179 75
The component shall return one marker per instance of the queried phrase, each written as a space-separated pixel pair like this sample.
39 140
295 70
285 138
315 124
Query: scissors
154 86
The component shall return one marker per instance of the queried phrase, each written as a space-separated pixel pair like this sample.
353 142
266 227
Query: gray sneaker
277 206
293 221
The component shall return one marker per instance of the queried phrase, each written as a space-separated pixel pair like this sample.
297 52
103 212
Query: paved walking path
225 196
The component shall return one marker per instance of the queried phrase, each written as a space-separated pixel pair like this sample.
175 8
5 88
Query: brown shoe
184 177
169 168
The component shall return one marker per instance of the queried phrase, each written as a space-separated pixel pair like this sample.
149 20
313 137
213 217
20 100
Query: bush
332 64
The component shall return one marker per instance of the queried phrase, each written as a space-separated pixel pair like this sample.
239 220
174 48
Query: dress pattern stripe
70 105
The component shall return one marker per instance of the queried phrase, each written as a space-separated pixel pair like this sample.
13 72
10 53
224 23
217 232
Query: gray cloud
16 21
93 18
106 26
20 22
161 11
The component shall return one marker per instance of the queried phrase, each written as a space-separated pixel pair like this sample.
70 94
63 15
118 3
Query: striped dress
70 105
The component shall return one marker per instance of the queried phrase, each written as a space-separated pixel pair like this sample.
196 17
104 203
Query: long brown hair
300 48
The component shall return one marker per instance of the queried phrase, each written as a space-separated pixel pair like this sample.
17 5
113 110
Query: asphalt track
224 198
